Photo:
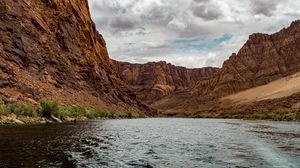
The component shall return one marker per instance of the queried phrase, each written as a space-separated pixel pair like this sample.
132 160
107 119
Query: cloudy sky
191 33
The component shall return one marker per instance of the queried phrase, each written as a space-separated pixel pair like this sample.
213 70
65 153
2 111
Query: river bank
281 115
49 111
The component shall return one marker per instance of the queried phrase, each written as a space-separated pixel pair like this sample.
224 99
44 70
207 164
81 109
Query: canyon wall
51 49
156 80
263 59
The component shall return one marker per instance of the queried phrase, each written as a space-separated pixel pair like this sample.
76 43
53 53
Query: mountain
51 49
263 59
155 80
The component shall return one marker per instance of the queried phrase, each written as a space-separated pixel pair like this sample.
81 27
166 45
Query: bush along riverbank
279 115
49 111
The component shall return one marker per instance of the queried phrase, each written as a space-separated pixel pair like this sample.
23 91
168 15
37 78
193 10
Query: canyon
263 59
51 49
156 80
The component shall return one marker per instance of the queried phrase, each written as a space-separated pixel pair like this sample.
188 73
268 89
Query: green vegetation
18 109
48 108
289 115
128 114
22 109
77 111
98 114
142 115
280 115
2 106
62 113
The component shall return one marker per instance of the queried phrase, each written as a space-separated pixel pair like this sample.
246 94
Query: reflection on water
152 143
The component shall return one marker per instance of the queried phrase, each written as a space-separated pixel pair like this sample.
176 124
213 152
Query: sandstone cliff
264 58
156 80
51 49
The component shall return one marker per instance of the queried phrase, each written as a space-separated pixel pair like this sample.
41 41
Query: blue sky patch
199 43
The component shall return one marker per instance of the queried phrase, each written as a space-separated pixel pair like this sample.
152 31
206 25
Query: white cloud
139 30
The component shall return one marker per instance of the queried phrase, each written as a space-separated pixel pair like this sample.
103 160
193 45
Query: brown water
153 143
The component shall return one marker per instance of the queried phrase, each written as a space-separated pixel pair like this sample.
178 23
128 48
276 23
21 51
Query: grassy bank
49 110
280 115
292 115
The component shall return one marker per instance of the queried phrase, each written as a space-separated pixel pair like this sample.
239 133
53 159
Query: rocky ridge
51 49
263 59
155 80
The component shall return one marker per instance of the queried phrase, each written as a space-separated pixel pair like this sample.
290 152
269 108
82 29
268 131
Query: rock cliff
51 49
156 80
263 59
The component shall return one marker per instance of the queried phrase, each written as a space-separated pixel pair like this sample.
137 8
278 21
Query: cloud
123 24
177 24
201 1
207 12
265 7
191 33
193 30
212 59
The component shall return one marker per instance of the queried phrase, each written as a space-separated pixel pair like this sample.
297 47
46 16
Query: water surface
153 143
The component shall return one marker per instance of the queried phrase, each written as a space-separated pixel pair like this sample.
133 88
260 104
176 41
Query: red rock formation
156 80
264 58
51 48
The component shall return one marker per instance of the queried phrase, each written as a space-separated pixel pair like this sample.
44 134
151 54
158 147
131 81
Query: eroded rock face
264 58
51 48
156 80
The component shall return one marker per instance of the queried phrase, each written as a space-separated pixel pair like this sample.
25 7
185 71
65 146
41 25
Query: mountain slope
263 59
156 80
282 87
51 49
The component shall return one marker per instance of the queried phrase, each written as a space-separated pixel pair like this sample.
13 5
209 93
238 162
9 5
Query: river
153 142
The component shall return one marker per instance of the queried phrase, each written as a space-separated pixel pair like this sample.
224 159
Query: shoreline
49 111
12 119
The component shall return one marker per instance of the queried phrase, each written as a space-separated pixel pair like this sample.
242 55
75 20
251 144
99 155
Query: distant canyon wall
156 80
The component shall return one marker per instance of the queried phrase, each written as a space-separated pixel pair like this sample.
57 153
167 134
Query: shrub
92 114
128 114
111 114
49 108
142 115
2 106
100 114
23 109
77 111
62 113
298 115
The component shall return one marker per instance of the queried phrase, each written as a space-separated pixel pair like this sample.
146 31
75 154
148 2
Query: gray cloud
193 30
207 12
265 7
139 30
201 1
159 16
123 24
